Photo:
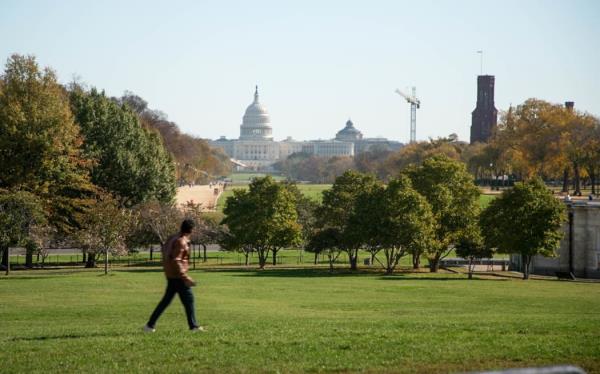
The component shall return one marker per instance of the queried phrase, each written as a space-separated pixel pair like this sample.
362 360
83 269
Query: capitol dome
256 123
349 133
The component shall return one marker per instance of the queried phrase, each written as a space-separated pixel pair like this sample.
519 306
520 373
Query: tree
416 153
160 219
195 159
39 143
454 200
338 206
526 220
232 243
325 241
470 245
128 160
207 230
22 219
580 139
263 217
306 209
395 219
105 230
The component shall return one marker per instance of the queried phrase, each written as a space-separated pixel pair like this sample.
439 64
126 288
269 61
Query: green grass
313 191
245 178
296 320
484 200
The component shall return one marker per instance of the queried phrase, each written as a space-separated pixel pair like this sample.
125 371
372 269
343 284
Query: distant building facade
485 116
256 148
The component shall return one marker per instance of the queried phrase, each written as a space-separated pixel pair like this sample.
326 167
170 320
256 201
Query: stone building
485 116
256 148
579 251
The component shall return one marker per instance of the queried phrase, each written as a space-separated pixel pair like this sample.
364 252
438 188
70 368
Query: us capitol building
255 148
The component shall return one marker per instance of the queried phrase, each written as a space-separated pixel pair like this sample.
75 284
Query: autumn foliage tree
40 143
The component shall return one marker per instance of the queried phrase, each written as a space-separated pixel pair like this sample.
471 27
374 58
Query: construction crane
415 104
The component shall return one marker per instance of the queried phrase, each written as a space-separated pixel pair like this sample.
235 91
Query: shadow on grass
65 336
325 273
440 277
292 272
139 270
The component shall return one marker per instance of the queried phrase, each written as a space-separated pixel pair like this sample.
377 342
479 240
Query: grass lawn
484 200
246 178
313 191
293 320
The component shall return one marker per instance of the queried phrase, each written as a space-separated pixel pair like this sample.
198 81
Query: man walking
176 254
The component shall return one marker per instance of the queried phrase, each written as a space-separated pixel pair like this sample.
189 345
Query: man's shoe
198 329
148 329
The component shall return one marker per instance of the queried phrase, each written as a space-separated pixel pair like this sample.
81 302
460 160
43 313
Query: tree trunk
246 255
151 252
565 180
416 260
526 261
29 259
206 258
330 264
593 180
577 180
274 257
434 265
91 260
470 267
262 259
316 256
106 262
353 260
83 257
6 259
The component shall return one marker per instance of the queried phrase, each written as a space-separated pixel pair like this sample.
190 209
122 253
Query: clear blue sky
316 62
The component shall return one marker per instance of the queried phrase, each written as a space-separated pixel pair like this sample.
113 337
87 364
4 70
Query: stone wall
586 245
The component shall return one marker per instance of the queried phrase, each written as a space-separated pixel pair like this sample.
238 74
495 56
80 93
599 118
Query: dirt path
206 195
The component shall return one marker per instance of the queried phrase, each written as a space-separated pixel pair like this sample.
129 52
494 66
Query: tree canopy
454 200
525 220
127 159
264 217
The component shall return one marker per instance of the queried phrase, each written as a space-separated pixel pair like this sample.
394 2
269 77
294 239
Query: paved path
204 195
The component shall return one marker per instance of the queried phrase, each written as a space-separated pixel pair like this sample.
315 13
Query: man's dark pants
176 286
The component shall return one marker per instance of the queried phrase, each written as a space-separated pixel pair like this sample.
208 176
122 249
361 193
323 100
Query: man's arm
179 251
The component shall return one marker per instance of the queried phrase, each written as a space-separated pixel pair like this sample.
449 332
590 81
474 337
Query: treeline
195 160
79 167
427 210
537 138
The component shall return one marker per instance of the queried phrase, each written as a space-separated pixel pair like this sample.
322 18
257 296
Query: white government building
256 149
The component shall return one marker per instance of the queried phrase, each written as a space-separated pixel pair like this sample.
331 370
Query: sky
317 63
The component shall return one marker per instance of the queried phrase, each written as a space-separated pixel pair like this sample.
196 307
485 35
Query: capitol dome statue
256 124
349 133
